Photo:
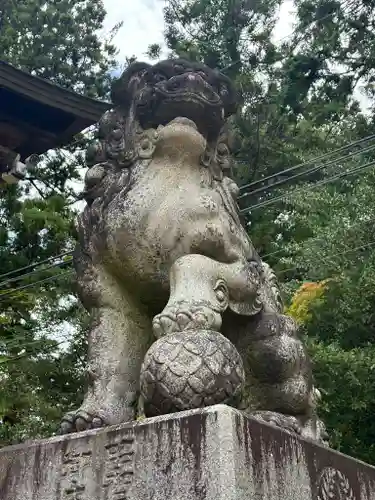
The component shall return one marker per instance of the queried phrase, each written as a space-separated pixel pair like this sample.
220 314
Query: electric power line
30 285
45 261
59 275
271 201
305 164
358 224
371 244
50 278
35 271
307 172
265 203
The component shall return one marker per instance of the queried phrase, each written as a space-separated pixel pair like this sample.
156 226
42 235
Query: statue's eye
178 69
222 149
223 90
159 77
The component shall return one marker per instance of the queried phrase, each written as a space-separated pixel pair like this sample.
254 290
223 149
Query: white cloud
284 25
143 25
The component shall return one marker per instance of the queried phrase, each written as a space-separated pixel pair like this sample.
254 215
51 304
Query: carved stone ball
188 370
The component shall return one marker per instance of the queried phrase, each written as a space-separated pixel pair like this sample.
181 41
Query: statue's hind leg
278 386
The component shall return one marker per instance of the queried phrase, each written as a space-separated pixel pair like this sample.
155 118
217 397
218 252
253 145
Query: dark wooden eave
36 115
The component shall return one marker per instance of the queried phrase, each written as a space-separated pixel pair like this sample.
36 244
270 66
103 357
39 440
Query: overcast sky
144 24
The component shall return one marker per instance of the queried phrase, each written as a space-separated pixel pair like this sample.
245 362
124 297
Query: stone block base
210 454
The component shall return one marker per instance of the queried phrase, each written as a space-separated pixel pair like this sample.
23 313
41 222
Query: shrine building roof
36 115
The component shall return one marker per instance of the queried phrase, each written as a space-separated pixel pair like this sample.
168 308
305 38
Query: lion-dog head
146 97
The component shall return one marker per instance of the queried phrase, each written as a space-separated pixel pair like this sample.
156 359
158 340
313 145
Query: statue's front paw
185 316
94 415
79 421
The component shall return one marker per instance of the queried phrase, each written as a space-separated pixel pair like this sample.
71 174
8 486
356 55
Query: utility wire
36 271
263 257
371 244
271 201
358 224
266 202
30 285
305 164
29 345
35 264
308 172
50 278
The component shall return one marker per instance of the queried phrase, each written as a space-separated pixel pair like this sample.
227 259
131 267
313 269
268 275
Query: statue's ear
231 99
247 301
124 88
230 135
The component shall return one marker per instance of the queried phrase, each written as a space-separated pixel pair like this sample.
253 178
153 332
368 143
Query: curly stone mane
184 312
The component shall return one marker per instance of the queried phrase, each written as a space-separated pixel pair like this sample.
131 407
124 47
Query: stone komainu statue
162 255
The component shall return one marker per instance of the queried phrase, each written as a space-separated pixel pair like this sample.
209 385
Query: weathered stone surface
190 369
162 253
210 454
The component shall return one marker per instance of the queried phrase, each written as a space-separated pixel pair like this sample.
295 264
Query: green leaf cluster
42 327
301 99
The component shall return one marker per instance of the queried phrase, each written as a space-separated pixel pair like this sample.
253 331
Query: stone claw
79 421
286 422
66 427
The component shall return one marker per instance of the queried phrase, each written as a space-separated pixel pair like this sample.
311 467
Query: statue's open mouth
187 95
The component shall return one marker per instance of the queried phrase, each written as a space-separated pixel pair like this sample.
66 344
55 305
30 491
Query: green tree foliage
42 346
342 33
300 100
59 41
340 326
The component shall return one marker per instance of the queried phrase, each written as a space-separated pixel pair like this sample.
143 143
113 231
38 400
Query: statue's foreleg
117 342
201 289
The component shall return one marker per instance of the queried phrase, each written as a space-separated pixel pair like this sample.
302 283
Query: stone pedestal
210 454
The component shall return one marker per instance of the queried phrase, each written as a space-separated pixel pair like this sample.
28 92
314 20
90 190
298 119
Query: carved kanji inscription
118 473
72 483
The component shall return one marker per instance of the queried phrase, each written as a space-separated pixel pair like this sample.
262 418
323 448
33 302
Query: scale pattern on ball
190 369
